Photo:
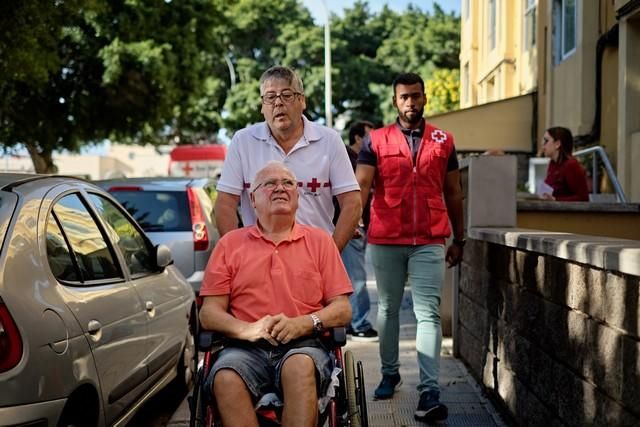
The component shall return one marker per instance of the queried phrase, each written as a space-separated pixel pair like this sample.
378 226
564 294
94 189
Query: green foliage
443 91
74 72
422 43
137 71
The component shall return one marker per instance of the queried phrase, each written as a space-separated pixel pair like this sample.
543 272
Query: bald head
271 167
274 194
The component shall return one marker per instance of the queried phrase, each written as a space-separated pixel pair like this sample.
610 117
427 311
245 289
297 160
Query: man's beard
414 118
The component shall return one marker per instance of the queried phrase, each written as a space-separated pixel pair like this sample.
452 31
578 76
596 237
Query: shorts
259 364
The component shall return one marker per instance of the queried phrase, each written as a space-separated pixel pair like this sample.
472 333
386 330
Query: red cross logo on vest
438 136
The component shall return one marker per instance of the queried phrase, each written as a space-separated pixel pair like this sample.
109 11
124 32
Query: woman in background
565 175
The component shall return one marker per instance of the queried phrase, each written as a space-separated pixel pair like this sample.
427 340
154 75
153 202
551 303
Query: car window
94 257
58 254
157 210
137 252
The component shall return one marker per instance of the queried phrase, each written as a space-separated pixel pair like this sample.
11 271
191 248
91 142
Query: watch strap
317 323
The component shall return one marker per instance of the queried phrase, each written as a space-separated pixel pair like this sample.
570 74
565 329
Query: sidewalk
459 391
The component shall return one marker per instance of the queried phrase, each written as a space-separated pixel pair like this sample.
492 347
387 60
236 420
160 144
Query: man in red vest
417 191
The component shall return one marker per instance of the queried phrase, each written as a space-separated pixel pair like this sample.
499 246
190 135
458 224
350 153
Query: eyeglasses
286 96
272 184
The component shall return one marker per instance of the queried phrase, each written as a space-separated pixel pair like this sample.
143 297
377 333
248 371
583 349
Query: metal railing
599 151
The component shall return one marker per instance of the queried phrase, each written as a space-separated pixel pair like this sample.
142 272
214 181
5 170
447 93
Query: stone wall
549 333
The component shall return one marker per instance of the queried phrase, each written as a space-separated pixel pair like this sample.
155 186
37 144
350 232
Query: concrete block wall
554 337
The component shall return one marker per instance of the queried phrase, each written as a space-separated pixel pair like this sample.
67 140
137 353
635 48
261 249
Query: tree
422 43
73 72
443 91
263 34
358 37
134 70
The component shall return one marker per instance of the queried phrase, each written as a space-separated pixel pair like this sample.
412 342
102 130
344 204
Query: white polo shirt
319 160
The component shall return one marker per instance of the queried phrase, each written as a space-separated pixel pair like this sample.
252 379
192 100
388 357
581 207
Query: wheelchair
348 408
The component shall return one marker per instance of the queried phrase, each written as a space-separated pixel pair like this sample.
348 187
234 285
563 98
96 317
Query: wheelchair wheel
362 395
200 415
353 415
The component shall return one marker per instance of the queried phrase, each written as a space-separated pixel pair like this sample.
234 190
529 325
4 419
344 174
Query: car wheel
81 410
189 359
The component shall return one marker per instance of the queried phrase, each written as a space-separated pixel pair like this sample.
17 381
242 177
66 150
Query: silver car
176 212
93 318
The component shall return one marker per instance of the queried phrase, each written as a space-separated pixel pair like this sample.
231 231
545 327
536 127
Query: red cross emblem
438 136
187 169
313 185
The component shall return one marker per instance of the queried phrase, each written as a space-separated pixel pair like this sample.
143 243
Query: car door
164 215
165 295
106 306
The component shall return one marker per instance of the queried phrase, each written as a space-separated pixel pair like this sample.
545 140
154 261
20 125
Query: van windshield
157 210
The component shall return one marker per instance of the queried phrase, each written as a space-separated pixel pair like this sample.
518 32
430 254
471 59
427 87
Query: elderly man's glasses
287 96
272 184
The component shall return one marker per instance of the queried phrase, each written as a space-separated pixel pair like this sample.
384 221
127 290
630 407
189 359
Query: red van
197 160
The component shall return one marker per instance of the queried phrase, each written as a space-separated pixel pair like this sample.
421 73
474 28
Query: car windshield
157 210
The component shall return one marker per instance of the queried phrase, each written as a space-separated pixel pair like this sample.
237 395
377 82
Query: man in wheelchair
270 289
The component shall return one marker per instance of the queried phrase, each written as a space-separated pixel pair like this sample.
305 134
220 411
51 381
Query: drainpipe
608 39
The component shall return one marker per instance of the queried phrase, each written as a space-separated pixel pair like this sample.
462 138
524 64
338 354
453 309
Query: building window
492 24
565 28
529 24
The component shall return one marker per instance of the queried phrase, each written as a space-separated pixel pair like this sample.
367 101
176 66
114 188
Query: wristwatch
459 242
317 324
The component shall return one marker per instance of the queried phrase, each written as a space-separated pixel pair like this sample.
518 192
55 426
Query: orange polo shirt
295 277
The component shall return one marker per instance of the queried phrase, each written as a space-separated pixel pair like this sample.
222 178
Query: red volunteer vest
408 206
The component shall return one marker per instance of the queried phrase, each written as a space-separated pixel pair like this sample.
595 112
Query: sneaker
430 408
388 386
370 335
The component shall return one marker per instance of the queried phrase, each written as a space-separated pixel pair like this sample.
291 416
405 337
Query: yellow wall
502 124
502 72
566 87
628 125
573 78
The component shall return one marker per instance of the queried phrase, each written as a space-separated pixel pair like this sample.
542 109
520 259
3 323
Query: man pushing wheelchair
271 289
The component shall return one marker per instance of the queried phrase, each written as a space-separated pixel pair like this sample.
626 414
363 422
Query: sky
316 7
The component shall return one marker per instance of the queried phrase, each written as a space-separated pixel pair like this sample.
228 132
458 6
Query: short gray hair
282 73
270 165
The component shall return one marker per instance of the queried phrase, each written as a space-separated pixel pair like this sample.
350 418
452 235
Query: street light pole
327 69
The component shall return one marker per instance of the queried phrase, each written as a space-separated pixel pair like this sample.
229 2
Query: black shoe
370 335
388 386
430 408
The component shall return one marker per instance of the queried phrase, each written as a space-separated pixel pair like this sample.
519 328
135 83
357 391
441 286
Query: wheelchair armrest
209 339
338 335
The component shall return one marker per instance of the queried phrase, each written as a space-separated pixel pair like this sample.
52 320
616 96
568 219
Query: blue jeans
259 364
353 259
424 268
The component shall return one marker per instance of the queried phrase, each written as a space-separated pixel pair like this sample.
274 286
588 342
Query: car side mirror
163 256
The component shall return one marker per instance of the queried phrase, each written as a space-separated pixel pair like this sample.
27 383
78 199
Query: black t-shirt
353 157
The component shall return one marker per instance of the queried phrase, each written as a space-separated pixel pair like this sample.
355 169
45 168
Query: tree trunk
42 160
